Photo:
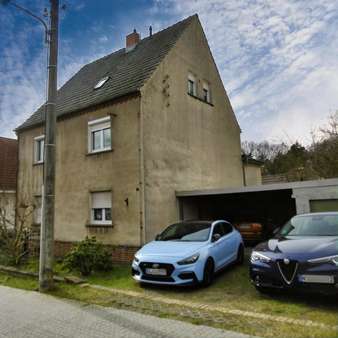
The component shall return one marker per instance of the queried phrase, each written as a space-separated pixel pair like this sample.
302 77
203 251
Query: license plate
320 279
156 272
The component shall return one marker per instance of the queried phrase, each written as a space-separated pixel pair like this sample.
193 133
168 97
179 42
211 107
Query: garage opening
270 208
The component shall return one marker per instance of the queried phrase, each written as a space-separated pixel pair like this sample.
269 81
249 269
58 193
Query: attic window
101 82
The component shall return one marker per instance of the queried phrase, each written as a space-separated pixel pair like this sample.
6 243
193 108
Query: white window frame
207 88
95 126
39 157
104 221
192 79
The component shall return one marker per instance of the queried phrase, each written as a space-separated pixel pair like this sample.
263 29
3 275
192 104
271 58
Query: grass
231 289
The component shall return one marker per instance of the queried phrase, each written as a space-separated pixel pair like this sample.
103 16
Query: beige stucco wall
188 144
253 174
7 206
77 174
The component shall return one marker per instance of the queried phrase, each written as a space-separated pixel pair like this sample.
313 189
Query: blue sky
278 59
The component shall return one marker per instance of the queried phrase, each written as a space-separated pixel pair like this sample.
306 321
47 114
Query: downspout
142 184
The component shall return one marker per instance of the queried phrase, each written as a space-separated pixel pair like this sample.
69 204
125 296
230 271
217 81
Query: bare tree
14 234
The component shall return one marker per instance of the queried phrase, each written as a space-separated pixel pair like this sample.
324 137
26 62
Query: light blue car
189 252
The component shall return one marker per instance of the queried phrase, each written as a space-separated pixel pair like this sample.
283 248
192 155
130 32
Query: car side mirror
215 237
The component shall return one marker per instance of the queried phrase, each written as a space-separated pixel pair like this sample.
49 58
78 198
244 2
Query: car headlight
258 257
136 260
189 260
328 259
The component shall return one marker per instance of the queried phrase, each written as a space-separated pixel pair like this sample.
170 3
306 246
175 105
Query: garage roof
257 188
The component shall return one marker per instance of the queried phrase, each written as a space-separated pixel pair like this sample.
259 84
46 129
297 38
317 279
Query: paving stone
30 314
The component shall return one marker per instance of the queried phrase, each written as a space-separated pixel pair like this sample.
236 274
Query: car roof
198 221
327 213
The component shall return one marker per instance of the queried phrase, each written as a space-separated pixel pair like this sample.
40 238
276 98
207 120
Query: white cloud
278 60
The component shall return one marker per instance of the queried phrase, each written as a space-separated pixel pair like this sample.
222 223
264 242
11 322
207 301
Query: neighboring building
8 173
132 128
252 171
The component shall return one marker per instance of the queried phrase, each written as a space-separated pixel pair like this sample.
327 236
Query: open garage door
270 208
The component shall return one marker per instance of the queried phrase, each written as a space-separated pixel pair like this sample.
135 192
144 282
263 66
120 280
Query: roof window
101 82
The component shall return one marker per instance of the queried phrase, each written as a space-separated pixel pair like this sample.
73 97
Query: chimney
132 40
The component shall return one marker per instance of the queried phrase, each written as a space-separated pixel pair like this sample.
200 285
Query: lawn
231 289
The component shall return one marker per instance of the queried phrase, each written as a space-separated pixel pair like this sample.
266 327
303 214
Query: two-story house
132 128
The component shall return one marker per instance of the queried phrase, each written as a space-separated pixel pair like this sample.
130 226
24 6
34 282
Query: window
99 135
101 208
39 145
218 229
227 228
37 214
101 82
206 93
191 85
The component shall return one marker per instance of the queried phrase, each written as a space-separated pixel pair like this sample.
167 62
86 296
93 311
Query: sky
278 59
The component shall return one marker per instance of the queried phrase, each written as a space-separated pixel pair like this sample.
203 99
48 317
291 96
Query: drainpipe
142 184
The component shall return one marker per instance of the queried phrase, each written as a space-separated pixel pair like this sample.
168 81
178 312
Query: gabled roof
127 74
8 163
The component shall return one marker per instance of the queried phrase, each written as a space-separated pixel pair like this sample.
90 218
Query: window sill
90 225
199 99
37 163
100 152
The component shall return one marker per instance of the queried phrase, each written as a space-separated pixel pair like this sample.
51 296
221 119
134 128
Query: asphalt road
30 314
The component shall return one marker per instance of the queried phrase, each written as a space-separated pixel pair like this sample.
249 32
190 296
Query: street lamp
48 191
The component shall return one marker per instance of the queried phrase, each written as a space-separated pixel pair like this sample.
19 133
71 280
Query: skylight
101 82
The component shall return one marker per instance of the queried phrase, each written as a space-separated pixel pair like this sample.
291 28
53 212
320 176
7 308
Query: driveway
30 314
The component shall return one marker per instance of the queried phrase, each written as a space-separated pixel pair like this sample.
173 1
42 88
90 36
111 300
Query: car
303 255
188 252
252 232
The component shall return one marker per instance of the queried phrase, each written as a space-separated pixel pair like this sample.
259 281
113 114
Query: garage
271 204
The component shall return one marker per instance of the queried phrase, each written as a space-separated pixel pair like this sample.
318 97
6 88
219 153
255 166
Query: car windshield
311 225
187 232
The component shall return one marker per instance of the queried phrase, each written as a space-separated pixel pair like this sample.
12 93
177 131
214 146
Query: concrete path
30 314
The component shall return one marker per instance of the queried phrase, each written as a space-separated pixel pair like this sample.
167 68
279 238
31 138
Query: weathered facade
176 131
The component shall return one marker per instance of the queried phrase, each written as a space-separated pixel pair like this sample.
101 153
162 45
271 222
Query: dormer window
191 85
206 93
101 82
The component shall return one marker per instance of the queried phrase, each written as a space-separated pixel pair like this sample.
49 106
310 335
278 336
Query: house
8 173
132 128
252 170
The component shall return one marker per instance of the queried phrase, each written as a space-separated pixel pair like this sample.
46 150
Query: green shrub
88 256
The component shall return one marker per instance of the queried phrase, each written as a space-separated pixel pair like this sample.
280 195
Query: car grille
158 278
168 267
287 269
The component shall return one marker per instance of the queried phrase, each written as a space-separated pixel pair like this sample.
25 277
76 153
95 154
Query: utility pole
48 190
46 282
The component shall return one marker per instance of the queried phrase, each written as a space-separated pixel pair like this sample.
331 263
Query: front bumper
267 275
189 274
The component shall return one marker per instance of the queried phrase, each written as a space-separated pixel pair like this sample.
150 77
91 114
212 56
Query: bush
88 256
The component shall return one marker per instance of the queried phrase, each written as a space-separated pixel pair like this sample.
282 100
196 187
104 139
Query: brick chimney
132 40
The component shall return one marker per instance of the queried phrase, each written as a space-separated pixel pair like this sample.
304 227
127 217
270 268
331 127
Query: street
31 314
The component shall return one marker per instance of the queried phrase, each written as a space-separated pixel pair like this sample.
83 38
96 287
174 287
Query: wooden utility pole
48 195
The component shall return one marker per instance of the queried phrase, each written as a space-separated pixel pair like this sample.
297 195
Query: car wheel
208 274
240 255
